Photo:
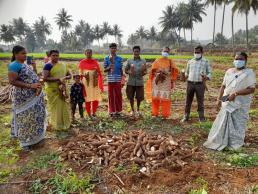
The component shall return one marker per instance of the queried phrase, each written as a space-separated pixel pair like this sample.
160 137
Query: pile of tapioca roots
149 151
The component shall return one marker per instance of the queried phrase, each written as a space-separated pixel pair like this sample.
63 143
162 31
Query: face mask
197 55
239 63
164 54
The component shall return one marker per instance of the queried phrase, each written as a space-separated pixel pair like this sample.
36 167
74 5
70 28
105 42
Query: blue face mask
239 64
164 54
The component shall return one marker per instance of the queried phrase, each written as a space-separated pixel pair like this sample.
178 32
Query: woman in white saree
235 97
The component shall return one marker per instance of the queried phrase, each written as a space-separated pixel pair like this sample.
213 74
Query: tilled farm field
133 155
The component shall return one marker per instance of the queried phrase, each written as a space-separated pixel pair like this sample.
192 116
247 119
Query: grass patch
205 126
44 161
253 113
8 149
194 139
243 160
202 184
64 183
198 191
119 168
255 189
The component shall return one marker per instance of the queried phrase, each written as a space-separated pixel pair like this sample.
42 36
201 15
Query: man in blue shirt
113 65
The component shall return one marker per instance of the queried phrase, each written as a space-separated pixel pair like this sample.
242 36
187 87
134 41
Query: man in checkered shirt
198 71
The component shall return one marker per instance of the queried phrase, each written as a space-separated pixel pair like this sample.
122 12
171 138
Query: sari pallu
58 107
93 84
29 113
159 93
231 122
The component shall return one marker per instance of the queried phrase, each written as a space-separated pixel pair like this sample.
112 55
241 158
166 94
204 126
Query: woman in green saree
55 75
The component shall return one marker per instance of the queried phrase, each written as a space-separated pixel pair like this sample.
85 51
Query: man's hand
131 70
204 78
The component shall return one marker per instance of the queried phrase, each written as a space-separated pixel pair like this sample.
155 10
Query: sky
128 14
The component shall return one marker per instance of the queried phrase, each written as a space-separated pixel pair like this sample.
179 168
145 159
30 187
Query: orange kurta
159 93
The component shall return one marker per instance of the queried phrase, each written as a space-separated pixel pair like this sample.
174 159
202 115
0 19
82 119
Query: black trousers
73 107
197 89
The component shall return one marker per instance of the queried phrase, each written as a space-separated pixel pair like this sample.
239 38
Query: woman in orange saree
162 78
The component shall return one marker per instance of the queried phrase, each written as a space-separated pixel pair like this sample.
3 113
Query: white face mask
164 54
239 63
197 55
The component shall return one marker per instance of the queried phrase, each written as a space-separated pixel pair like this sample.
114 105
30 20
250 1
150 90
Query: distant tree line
174 23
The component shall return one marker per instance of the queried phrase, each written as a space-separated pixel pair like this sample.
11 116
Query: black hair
113 45
243 54
88 49
76 76
137 47
166 47
16 50
53 51
199 47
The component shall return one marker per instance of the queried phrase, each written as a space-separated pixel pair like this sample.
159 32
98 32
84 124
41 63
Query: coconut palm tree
244 7
116 32
214 3
20 28
184 21
141 33
98 34
63 20
41 29
7 34
195 11
106 29
152 35
84 32
171 22
132 40
225 3
232 31
167 21
30 40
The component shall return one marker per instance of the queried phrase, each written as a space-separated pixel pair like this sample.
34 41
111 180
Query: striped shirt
116 75
196 68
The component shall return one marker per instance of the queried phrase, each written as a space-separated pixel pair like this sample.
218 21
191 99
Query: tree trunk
233 33
179 45
184 35
191 36
222 24
214 21
247 34
107 40
99 44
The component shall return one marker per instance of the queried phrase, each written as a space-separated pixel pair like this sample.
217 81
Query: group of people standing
30 115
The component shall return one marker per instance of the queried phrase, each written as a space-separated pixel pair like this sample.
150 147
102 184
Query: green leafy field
125 56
